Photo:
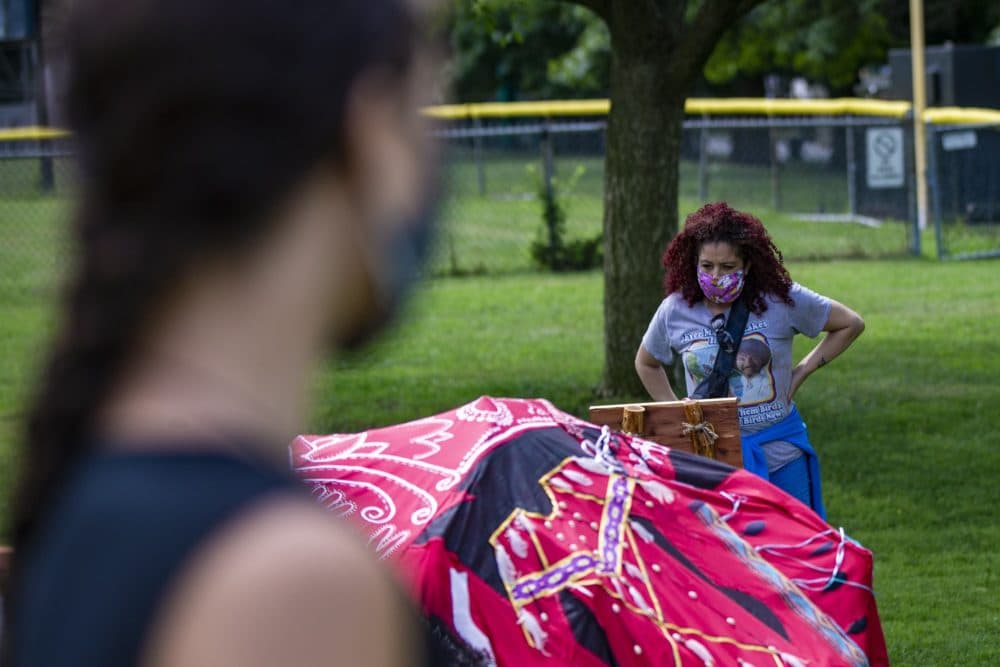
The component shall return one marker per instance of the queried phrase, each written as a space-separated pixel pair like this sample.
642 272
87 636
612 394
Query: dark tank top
115 539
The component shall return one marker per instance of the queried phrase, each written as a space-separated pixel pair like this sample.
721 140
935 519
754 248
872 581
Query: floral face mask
723 289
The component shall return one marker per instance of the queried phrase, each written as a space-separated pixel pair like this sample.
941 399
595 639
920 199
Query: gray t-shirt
763 372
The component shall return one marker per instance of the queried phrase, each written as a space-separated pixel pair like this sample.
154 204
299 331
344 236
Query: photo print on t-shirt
752 381
699 359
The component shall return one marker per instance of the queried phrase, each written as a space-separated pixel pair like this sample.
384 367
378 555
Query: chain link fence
815 182
36 188
827 187
496 174
964 189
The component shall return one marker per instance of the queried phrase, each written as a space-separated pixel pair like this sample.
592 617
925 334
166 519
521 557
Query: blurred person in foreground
720 258
255 190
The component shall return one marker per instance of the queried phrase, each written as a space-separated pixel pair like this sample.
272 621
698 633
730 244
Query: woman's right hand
652 375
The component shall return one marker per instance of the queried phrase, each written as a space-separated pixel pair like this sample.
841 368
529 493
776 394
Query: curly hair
718 222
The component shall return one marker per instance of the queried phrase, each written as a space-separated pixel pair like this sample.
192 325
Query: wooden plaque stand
709 427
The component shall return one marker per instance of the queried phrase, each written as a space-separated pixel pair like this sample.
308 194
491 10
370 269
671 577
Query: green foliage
512 49
509 49
957 21
829 40
586 68
552 251
826 40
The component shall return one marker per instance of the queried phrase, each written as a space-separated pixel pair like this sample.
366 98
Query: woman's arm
652 375
842 327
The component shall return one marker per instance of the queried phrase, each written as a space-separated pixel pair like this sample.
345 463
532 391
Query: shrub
552 251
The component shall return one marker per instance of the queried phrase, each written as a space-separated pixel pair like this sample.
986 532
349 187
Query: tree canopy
824 41
958 21
515 49
511 49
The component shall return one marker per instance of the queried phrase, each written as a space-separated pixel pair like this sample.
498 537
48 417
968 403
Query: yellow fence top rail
31 133
694 105
520 109
786 107
744 106
962 116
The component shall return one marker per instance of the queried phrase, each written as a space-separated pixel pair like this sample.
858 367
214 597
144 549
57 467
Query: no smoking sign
885 157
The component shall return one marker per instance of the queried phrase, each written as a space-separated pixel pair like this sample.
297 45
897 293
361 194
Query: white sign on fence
956 141
719 145
885 157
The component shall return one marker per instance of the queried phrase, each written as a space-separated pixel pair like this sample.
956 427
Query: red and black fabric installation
541 539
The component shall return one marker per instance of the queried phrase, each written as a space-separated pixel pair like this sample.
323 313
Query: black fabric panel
751 604
587 630
445 648
699 471
507 478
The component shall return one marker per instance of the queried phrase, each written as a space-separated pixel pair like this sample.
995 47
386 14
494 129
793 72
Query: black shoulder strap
716 385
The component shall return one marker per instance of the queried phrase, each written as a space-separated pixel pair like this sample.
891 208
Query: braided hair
715 223
193 121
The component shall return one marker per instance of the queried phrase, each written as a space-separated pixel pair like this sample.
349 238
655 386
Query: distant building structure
958 75
19 63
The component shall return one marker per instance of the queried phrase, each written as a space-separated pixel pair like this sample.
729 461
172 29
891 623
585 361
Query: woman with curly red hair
721 256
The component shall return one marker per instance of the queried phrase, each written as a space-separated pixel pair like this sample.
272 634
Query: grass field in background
492 232
904 422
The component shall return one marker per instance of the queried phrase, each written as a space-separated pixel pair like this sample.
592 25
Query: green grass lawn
905 422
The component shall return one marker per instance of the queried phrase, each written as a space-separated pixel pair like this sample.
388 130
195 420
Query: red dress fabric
539 539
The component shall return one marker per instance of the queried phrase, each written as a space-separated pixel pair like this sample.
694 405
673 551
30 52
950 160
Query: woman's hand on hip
843 326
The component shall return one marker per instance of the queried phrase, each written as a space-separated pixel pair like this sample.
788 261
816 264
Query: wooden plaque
664 423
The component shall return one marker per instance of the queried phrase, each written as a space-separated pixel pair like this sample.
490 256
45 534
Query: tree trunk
657 49
640 202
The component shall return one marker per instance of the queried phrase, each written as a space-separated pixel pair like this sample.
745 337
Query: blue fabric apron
790 429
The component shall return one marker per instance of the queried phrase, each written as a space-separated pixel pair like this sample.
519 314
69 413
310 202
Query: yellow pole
919 102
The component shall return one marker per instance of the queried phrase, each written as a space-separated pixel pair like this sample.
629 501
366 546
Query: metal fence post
775 167
46 173
934 188
909 168
852 168
703 160
477 155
